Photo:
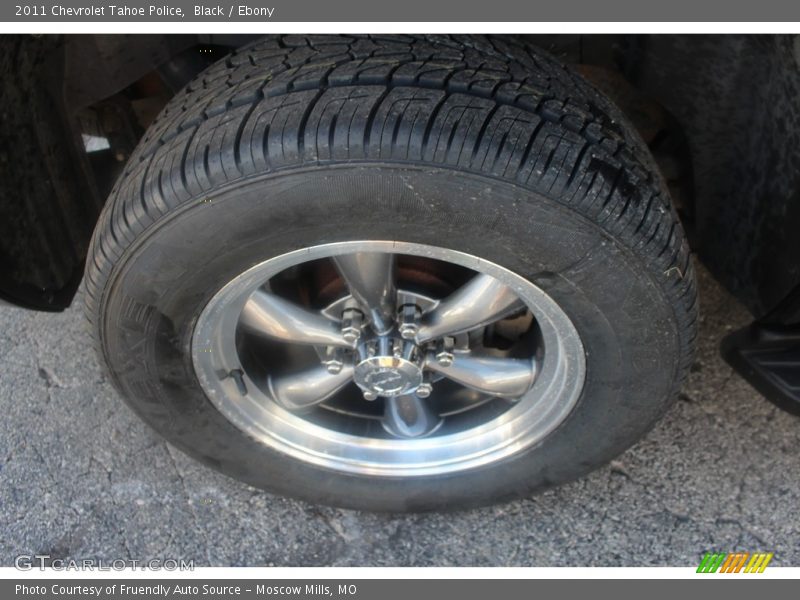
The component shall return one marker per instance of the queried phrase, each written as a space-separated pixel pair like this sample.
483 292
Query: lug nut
444 352
334 367
334 360
424 390
409 317
408 331
351 325
370 395
444 358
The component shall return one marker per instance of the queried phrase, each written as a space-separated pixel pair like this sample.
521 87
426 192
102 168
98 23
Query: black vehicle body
722 112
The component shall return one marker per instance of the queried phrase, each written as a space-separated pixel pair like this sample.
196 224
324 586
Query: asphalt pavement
82 477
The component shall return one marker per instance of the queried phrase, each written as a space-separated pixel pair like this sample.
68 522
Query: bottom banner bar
387 589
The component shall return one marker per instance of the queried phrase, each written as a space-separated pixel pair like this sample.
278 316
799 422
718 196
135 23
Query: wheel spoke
503 377
303 390
480 302
409 417
370 278
268 315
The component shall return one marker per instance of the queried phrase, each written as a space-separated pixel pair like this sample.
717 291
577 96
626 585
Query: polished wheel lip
537 413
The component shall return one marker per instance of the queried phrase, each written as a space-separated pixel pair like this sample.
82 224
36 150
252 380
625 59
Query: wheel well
718 112
76 107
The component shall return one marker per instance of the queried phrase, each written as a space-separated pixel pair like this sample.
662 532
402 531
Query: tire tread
492 106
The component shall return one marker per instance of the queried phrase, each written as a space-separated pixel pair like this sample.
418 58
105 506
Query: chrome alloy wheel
388 358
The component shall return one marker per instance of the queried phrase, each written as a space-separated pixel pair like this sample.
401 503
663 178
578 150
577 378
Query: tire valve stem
238 378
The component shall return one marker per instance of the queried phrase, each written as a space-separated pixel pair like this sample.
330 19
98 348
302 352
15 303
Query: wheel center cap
387 376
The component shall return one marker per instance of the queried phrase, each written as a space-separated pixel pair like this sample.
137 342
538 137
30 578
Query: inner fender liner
48 206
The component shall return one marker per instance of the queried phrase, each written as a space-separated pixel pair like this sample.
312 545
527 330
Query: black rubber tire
483 145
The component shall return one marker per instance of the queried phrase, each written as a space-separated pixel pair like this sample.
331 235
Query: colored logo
738 562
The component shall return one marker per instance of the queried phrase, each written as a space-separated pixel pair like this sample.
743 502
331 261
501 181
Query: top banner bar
453 11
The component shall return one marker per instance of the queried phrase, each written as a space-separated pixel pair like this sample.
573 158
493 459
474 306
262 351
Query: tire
485 146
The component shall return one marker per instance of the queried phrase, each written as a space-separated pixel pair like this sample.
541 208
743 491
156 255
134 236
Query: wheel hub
387 376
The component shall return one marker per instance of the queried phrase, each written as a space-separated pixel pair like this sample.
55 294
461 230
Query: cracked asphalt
81 477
